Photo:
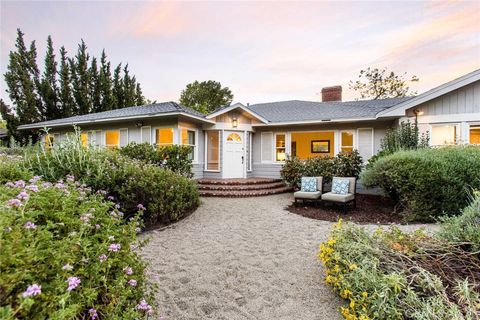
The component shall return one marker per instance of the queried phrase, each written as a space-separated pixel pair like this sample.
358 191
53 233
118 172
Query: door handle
242 159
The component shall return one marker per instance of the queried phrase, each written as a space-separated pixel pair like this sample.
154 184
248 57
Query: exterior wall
459 108
272 169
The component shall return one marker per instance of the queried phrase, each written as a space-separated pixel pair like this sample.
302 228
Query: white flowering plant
67 253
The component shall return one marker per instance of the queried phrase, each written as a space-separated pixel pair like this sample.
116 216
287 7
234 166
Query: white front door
233 162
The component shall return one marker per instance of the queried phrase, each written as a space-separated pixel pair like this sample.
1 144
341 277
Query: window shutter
365 143
123 137
267 146
146 135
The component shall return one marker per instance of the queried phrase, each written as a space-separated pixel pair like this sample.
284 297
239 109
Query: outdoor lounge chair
344 197
310 195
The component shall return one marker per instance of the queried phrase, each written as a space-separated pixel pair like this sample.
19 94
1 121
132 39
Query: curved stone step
248 181
243 193
240 187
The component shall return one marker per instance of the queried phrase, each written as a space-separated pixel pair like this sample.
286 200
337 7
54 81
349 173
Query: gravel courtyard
244 258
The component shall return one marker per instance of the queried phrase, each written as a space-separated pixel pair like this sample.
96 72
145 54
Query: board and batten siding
465 100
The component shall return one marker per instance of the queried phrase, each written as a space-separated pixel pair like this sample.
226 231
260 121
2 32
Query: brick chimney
332 94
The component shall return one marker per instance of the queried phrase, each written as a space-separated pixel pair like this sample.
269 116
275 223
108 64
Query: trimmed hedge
67 254
345 164
427 183
174 157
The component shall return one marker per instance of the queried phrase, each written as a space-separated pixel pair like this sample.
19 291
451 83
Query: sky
262 51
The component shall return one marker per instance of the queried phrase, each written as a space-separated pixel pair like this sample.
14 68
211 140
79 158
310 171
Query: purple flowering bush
66 253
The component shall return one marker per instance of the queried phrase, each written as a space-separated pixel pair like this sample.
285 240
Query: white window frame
353 140
107 146
250 148
149 133
275 146
195 146
430 132
220 137
174 136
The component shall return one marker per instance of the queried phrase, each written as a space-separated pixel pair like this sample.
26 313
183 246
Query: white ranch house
241 141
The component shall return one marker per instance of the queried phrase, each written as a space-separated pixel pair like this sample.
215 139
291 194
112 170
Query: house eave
237 106
307 122
107 120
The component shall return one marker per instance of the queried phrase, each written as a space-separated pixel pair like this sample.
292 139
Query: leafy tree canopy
374 83
205 96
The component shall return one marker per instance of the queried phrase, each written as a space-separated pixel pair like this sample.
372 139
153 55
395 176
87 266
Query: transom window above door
234 137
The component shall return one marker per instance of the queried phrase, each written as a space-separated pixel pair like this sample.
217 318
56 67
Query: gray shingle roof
296 110
151 109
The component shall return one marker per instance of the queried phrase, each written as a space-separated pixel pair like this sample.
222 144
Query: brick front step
248 181
240 187
243 193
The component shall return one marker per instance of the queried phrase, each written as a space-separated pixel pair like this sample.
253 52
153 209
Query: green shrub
428 183
166 195
466 227
345 164
388 275
405 137
11 169
67 254
175 157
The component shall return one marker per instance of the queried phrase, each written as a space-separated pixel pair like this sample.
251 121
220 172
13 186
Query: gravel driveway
245 258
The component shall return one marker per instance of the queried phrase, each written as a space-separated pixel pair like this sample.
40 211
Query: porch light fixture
235 122
418 112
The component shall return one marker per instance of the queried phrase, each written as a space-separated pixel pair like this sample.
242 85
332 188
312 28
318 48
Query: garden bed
370 209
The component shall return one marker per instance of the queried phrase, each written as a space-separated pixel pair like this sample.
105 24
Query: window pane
442 135
234 137
347 149
188 137
212 150
164 136
49 140
146 134
280 147
475 135
347 139
112 138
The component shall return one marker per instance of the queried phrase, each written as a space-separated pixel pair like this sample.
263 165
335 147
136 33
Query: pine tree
95 89
21 79
81 79
105 77
67 104
118 91
48 87
8 115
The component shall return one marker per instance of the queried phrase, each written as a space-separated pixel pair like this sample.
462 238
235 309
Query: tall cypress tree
67 103
140 99
21 82
105 77
48 87
129 87
118 91
81 79
95 88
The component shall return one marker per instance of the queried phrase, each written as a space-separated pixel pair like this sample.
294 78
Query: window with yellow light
163 136
112 139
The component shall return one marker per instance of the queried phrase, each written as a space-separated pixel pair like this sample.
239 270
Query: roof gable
399 110
235 106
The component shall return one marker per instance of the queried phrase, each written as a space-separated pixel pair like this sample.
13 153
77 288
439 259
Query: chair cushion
309 184
340 186
335 197
307 195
